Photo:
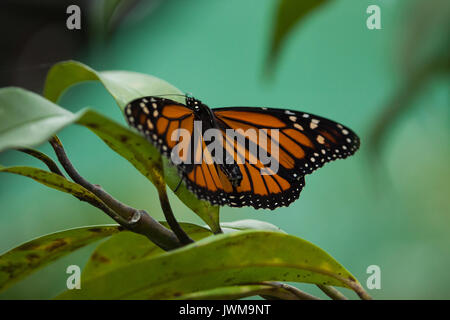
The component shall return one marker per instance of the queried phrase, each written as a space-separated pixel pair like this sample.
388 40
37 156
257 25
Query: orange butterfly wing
157 119
304 143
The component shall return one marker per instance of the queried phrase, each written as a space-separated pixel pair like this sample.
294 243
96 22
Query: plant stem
362 294
332 292
53 167
170 217
355 286
138 221
296 293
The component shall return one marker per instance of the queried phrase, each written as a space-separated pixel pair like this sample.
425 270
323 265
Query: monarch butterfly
305 142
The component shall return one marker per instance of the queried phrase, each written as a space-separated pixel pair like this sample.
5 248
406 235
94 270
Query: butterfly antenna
171 94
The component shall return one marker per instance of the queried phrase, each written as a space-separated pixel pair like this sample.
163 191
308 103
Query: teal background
393 212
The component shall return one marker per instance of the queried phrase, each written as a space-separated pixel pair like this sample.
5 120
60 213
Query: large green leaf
128 247
288 14
238 258
124 86
22 127
29 257
27 119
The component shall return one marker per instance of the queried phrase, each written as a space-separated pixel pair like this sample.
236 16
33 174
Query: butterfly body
297 143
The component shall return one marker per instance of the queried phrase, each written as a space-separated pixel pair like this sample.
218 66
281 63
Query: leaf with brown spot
54 181
99 258
225 260
31 256
127 247
55 244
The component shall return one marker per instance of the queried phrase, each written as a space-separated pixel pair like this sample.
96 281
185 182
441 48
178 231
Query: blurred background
388 205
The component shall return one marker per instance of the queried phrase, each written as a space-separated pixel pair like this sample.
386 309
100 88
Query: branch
355 286
362 294
138 221
168 213
294 293
332 292
53 167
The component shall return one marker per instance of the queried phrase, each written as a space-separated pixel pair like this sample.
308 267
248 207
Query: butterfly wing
206 180
157 119
305 143
307 140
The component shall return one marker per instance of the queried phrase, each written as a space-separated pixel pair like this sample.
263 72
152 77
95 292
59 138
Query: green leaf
248 224
28 126
31 256
27 119
25 128
289 13
124 86
54 181
51 165
238 258
127 247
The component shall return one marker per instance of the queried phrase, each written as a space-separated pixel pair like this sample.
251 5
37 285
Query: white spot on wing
320 139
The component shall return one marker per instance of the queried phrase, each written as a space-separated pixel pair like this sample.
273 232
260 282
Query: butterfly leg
233 173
